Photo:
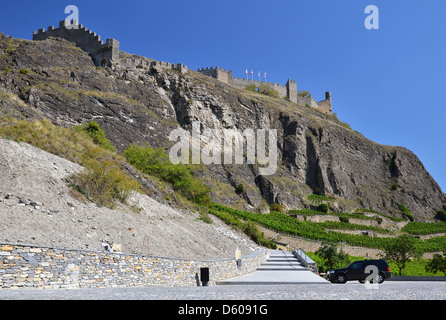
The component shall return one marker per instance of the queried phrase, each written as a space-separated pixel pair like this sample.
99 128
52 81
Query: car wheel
341 278
379 278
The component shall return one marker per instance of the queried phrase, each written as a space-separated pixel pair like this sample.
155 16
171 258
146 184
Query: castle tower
291 88
328 99
218 73
325 106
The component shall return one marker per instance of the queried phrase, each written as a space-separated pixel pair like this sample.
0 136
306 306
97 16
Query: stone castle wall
102 54
25 266
108 54
289 90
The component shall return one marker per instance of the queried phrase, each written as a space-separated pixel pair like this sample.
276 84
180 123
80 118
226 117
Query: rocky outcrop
316 152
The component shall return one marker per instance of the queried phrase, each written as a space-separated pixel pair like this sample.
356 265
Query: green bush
344 219
251 87
103 182
323 207
97 134
24 71
156 162
276 207
240 189
268 90
438 263
304 94
441 215
251 229
406 211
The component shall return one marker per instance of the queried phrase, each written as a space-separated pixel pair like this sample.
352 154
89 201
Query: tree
438 263
329 253
401 250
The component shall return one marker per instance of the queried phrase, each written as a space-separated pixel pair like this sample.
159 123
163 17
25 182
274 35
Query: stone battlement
102 54
287 91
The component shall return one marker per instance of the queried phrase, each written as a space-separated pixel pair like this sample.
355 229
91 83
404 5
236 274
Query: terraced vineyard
322 231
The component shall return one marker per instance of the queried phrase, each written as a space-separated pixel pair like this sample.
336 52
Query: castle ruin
108 55
287 91
102 54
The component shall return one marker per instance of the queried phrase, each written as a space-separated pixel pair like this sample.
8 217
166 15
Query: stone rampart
26 266
144 63
287 91
102 54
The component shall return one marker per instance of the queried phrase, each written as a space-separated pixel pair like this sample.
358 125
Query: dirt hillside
38 207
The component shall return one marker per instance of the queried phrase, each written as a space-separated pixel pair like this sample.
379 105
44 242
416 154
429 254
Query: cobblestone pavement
350 291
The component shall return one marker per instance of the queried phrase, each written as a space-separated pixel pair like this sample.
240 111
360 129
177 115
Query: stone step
282 260
282 268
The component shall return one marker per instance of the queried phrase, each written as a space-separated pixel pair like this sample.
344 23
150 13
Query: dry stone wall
23 266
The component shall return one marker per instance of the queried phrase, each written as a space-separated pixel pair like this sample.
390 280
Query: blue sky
387 84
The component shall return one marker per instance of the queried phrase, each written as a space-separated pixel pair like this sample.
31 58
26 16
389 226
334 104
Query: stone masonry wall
24 266
102 54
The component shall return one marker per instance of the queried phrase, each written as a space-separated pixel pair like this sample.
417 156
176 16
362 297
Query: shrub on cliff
268 90
406 212
156 162
103 182
97 134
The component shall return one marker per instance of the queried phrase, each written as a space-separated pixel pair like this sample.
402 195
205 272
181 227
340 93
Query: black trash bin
204 276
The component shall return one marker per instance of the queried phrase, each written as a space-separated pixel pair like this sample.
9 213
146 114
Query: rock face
316 153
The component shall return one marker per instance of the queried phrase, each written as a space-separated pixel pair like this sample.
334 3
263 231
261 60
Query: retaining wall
27 266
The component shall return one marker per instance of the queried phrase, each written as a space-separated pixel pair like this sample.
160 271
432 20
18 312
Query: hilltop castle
108 55
288 91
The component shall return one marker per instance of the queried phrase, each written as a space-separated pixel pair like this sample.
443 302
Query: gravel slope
37 207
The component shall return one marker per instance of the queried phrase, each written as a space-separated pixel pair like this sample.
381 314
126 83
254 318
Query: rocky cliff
317 153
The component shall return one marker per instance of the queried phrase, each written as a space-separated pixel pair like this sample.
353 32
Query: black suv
373 270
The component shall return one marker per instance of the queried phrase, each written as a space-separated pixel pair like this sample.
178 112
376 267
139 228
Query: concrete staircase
280 268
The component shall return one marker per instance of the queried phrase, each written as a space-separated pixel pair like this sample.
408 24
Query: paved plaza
391 290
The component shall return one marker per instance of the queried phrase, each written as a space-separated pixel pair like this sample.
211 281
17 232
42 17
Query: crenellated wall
289 90
143 63
103 54
87 40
